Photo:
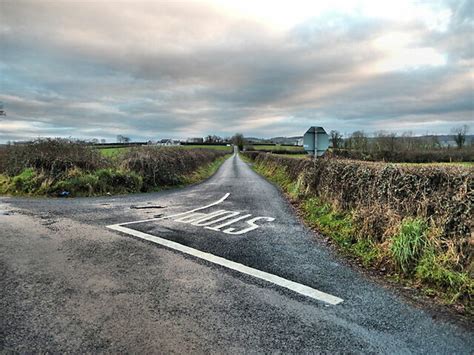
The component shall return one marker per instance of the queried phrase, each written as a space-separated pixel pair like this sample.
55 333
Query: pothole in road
4 211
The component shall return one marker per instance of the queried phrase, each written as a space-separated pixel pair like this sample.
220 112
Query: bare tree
238 140
386 141
460 135
122 139
359 141
407 141
336 139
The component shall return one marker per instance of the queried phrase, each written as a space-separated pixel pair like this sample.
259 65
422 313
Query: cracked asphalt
70 284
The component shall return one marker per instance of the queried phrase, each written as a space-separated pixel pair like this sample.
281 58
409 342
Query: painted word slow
219 220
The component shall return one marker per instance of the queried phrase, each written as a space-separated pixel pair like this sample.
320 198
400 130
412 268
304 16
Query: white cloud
400 52
195 67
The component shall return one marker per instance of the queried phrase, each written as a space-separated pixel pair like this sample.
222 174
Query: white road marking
196 218
202 222
228 223
252 226
277 280
182 213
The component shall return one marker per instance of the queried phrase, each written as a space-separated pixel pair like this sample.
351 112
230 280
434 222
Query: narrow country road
220 267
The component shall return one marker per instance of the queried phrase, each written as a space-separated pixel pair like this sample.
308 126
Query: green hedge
415 221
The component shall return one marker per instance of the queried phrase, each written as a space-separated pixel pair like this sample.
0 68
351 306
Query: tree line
391 142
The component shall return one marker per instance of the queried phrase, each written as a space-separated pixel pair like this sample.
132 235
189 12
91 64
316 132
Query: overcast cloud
264 68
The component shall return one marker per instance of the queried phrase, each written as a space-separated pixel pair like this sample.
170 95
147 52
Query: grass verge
204 172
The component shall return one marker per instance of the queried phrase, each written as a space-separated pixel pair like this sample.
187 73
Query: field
276 147
215 147
113 152
116 151
464 164
296 156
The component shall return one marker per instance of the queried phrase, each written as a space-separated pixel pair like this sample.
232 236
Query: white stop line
277 280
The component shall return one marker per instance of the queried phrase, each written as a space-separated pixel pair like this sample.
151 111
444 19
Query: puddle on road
4 211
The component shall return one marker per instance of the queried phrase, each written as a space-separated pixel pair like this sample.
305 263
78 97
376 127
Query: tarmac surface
77 275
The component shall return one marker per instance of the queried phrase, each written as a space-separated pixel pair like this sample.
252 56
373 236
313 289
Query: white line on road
294 286
180 214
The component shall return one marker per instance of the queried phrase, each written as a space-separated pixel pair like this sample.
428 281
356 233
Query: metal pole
315 145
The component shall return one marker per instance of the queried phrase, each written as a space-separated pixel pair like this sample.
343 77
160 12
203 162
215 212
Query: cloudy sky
159 69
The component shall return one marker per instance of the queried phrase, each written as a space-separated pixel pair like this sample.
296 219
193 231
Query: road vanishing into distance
224 266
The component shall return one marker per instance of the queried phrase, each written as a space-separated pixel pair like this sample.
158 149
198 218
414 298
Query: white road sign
316 141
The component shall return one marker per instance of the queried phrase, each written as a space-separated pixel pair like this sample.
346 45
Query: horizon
225 139
266 69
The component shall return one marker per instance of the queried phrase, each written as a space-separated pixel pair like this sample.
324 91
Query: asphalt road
71 282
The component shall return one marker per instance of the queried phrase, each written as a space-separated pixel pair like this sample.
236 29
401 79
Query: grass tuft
409 244
432 270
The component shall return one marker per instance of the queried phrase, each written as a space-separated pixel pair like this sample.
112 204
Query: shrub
98 183
77 185
52 157
3 158
111 180
160 166
26 182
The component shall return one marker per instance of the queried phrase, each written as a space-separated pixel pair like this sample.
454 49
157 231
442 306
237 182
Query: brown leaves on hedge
380 195
166 166
52 157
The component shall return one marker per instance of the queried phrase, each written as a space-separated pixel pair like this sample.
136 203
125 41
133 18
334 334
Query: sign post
316 141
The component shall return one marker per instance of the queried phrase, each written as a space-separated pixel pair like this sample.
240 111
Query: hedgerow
166 166
416 221
53 157
72 168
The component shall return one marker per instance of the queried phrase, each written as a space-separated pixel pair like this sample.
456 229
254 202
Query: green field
111 152
217 147
464 164
294 156
276 147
